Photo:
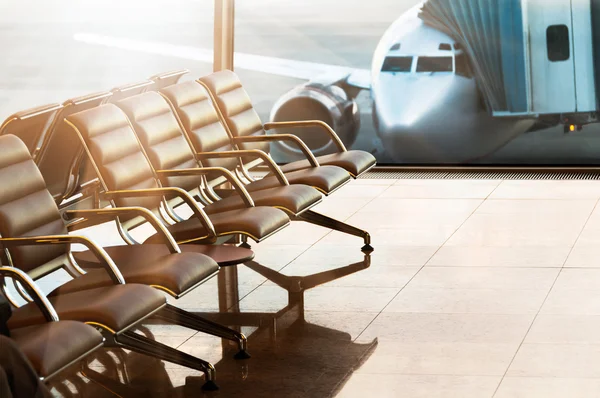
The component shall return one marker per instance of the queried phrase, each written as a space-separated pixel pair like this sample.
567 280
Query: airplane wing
360 78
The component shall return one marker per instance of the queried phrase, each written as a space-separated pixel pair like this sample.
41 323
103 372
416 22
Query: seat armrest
281 137
233 180
309 123
169 192
34 292
87 218
106 262
249 153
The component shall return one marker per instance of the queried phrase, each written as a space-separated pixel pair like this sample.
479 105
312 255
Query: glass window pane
434 64
397 64
557 38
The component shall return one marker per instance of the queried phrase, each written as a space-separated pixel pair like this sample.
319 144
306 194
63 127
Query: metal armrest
308 123
106 262
30 287
249 153
169 192
282 137
237 184
110 214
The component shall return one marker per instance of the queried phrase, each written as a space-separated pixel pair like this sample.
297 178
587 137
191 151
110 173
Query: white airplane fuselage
426 104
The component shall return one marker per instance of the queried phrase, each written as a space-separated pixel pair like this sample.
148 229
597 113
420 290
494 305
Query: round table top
224 255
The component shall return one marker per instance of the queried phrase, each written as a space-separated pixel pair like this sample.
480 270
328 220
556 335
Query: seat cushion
174 273
354 162
224 255
256 222
324 178
292 198
52 345
116 307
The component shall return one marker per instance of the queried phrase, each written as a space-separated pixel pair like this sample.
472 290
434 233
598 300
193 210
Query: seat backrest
199 117
161 136
167 78
235 106
128 90
61 158
116 152
30 125
26 206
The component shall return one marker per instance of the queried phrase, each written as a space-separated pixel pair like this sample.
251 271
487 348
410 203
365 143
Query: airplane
426 104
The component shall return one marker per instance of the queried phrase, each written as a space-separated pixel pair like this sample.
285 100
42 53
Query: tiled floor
475 289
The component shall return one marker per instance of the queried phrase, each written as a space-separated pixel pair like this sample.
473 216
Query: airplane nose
440 123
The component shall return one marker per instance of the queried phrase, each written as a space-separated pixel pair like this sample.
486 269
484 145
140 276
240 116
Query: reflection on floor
475 289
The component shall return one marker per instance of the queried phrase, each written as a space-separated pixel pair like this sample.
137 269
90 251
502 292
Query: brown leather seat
167 147
353 161
51 346
123 165
31 124
115 307
242 120
326 179
224 255
291 198
207 133
175 274
61 160
257 224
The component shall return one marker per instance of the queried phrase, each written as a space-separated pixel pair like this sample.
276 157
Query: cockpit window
397 64
434 64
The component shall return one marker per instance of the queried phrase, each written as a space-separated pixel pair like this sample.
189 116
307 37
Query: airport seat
53 346
33 231
61 159
208 136
167 147
30 125
168 78
128 179
248 130
128 90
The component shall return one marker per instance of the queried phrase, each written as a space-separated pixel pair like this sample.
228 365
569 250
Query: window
434 64
445 47
395 47
463 67
397 64
557 41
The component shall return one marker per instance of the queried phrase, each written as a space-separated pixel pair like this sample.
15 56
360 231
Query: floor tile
446 189
572 301
488 277
411 386
557 360
547 190
500 230
469 359
565 329
548 387
583 255
585 279
487 256
410 328
472 301
549 207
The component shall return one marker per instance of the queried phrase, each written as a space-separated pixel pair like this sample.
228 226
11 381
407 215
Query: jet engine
314 101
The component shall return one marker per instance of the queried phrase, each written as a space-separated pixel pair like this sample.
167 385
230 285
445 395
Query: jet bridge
530 57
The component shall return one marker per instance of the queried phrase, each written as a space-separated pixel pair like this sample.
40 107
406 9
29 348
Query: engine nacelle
314 101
